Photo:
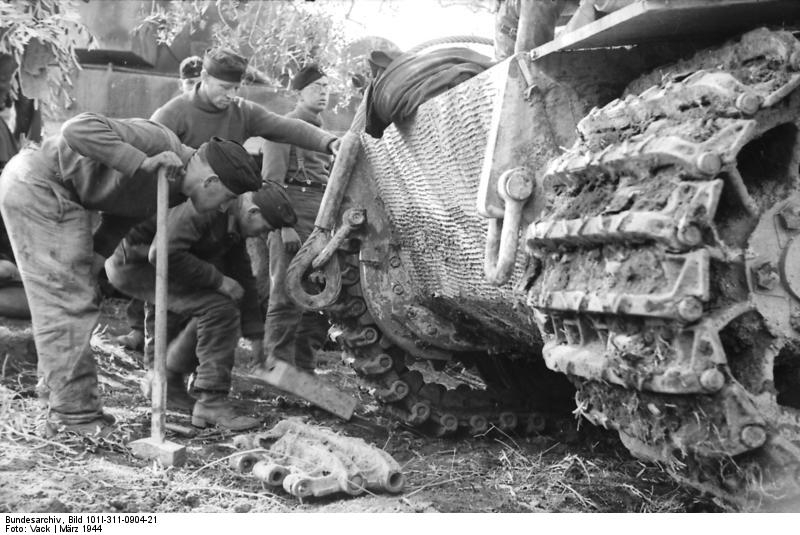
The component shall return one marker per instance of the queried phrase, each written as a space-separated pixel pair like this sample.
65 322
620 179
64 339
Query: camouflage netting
427 173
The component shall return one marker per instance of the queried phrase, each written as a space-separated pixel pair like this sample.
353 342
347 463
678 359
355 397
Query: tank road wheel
413 396
669 288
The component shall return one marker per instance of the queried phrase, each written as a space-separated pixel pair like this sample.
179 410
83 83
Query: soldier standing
292 334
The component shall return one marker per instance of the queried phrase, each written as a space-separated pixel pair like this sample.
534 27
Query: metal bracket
515 188
330 274
353 218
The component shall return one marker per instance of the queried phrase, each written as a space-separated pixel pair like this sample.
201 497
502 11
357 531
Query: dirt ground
579 469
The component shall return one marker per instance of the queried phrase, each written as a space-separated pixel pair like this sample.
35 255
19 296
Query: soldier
46 195
522 25
213 108
291 333
211 295
189 72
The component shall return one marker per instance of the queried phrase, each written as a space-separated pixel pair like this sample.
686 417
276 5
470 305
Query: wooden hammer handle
159 384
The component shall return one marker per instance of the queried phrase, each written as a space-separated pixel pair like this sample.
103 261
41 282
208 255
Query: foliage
279 38
40 35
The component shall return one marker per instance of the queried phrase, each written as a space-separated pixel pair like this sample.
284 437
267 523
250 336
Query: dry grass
491 473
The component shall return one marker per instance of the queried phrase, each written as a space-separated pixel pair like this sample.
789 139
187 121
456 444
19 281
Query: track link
665 286
415 398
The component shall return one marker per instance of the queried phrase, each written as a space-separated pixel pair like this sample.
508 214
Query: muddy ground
577 469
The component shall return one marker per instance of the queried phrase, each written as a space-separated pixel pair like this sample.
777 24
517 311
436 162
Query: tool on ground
156 446
312 461
286 377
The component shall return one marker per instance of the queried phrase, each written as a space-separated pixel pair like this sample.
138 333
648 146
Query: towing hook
300 272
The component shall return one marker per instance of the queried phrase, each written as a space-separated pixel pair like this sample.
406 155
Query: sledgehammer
156 446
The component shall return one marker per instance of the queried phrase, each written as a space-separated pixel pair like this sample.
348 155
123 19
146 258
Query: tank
605 225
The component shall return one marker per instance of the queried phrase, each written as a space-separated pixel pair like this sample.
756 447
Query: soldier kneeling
211 296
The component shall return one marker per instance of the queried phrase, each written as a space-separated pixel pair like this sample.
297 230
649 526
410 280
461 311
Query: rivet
753 436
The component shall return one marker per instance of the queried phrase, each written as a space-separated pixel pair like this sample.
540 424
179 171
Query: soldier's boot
214 408
178 399
102 426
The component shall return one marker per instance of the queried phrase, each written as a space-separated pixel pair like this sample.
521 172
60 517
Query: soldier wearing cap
212 295
291 333
190 69
46 196
213 109
189 72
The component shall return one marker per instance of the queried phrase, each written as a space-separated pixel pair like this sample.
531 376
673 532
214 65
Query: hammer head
165 452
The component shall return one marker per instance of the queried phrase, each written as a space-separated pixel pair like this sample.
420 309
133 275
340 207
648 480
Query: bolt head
478 424
394 261
536 422
712 380
420 412
356 217
690 309
709 163
449 422
385 361
690 235
753 436
370 335
508 420
400 388
748 103
518 184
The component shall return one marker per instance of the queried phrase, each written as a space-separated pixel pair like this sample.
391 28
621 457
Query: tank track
416 399
664 283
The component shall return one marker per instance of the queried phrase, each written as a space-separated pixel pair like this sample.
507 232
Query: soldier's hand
291 241
231 288
333 146
168 160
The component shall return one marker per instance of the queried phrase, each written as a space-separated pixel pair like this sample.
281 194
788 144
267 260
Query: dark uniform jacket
290 164
195 121
204 247
98 159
